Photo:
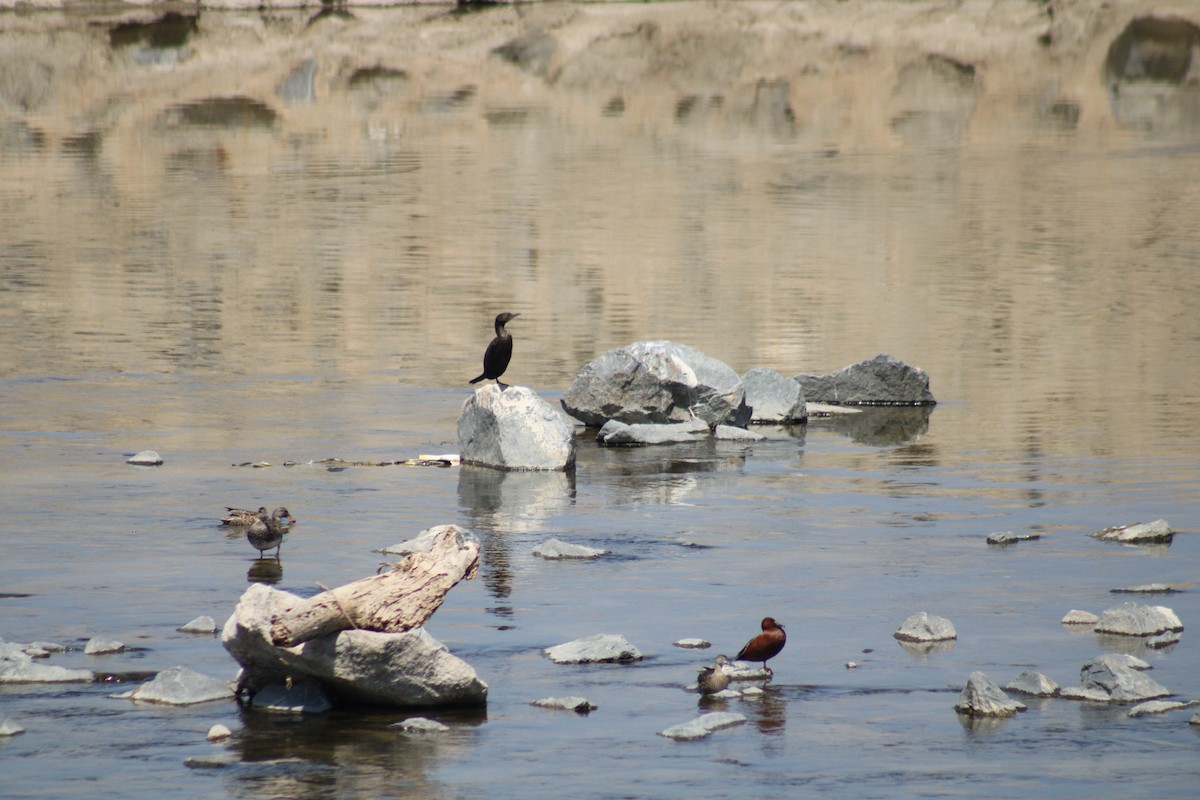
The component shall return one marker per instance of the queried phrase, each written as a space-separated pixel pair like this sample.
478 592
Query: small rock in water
882 380
730 433
1135 619
579 705
1122 683
1033 683
693 644
702 726
1076 617
17 666
773 397
1008 537
180 686
218 733
923 627
554 550
1147 588
1137 533
99 647
1080 693
46 647
747 671
619 433
200 625
301 697
981 697
1155 707
10 728
419 725
599 647
851 665
1195 720
146 458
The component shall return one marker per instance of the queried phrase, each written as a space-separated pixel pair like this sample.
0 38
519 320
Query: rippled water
322 286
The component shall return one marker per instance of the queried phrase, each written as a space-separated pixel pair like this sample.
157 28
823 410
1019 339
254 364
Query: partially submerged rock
580 705
693 644
774 398
1136 619
419 725
146 458
925 627
180 686
981 697
1155 707
615 433
18 666
603 647
1146 588
514 429
1137 533
554 550
881 380
296 697
10 728
1003 538
203 624
702 726
1077 617
656 382
1081 693
731 433
218 733
1033 683
100 647
1121 682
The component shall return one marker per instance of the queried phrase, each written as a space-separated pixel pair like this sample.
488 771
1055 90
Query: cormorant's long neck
501 333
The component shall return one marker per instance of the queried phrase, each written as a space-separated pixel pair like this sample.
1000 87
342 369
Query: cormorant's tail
477 380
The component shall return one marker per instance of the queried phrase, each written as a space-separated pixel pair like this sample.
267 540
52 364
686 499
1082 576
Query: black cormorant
498 353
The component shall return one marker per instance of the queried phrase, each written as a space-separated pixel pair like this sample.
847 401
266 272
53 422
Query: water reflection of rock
500 502
921 651
880 426
338 756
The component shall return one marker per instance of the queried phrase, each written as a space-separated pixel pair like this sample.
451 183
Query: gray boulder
598 647
1119 681
616 433
1137 533
981 697
410 669
514 429
881 380
1136 619
702 726
774 398
180 686
1033 683
656 382
554 550
923 627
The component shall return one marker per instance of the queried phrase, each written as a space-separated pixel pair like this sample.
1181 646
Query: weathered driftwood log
393 602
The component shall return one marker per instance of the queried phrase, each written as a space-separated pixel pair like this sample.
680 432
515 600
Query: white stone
410 669
554 550
180 686
924 627
100 647
1135 619
17 666
702 726
1146 588
1076 617
514 429
730 433
773 397
1080 693
693 644
1155 707
146 458
419 725
580 705
598 647
616 433
200 625
218 733
1137 533
1033 683
10 728
981 697
1121 682
1009 537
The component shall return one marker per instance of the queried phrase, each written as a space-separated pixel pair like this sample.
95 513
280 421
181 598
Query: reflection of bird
498 353
246 517
766 645
714 678
265 533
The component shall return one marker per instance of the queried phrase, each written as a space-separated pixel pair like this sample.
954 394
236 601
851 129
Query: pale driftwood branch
393 602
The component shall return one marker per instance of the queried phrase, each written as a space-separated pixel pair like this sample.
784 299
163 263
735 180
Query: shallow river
323 286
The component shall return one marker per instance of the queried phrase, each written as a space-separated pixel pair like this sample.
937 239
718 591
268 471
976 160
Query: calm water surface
239 294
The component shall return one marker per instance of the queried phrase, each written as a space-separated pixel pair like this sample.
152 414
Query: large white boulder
514 429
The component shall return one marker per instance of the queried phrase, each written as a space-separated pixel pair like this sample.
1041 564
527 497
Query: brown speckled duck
243 517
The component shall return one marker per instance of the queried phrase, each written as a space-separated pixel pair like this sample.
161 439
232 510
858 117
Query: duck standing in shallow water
713 679
244 517
498 353
764 646
265 533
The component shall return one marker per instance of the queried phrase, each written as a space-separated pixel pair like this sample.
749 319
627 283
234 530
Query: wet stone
1033 683
18 666
925 627
1137 533
580 705
146 458
180 686
882 380
601 647
419 725
615 433
1076 617
99 647
702 726
1008 537
301 697
774 398
1146 588
1155 707
981 697
1122 683
218 733
200 625
554 550
1136 619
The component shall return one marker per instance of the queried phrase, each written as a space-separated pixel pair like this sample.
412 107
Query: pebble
419 725
199 625
693 644
218 733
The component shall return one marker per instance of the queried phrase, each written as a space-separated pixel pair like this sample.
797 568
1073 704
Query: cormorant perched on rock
499 352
